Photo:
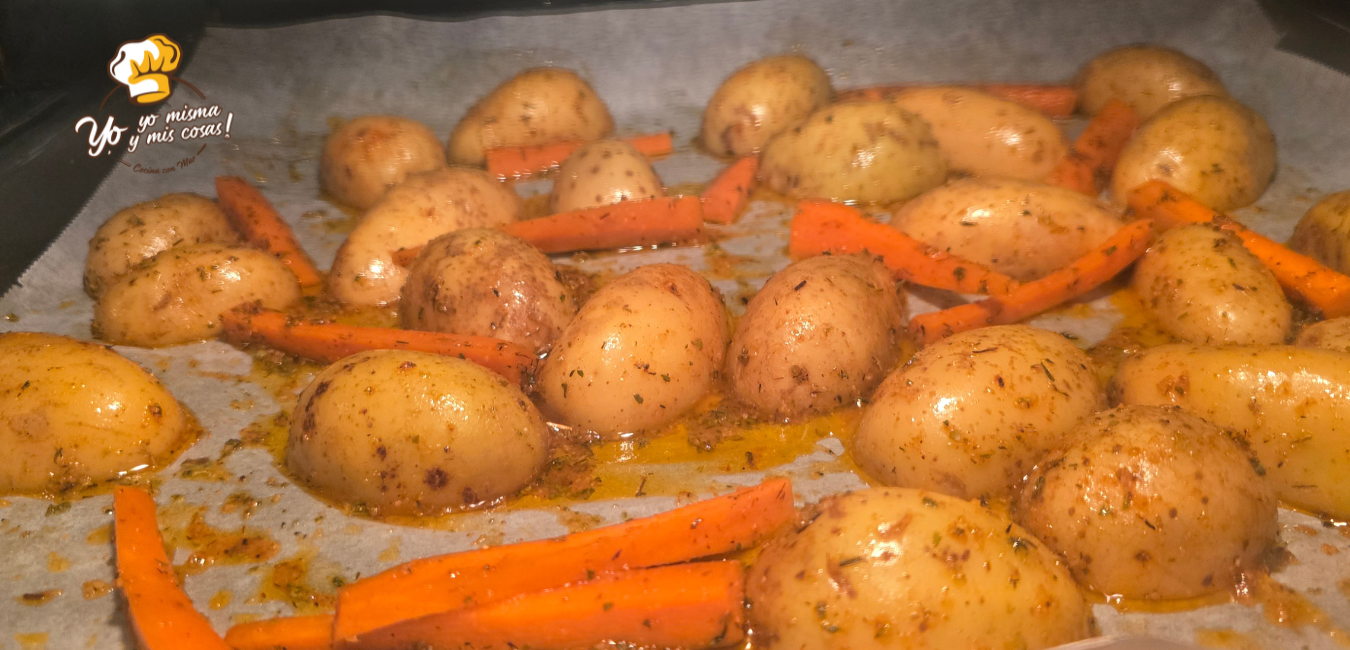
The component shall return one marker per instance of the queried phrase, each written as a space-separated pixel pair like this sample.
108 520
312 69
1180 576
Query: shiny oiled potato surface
537 106
1146 77
139 232
761 100
601 173
367 155
1324 232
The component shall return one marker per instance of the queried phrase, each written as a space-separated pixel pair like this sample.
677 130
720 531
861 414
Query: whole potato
1204 287
179 295
984 135
823 332
601 173
73 414
1214 149
760 101
537 106
970 415
869 152
402 432
367 155
906 569
424 207
1291 404
485 282
1025 230
1151 502
144 230
1146 77
1324 232
639 353
1331 334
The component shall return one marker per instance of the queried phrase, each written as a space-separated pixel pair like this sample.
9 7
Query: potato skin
537 106
601 173
1324 232
899 568
1209 514
367 155
76 414
404 432
139 232
640 352
869 152
761 100
1204 287
1146 77
179 295
1216 150
1292 405
970 415
1025 230
484 282
821 333
1333 334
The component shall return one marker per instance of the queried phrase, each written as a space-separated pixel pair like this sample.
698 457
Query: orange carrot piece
328 342
726 195
161 613
1053 100
517 162
447 582
824 227
1086 273
630 223
697 605
1314 283
254 217
284 633
1087 166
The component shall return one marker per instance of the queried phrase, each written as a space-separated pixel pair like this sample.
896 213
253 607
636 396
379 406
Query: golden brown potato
144 230
1331 334
601 173
883 569
822 333
178 296
1151 502
367 155
1025 230
402 432
869 152
537 106
1324 232
75 414
1146 77
761 100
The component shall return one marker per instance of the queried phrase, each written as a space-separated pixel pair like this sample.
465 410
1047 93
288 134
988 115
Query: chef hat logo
144 67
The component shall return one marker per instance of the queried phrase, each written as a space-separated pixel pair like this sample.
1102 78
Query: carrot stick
698 605
254 217
1314 283
161 613
824 227
284 633
328 342
1084 274
725 197
1087 166
443 583
1052 100
516 162
630 223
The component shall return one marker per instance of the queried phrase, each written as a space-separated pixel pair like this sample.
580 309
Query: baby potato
401 432
179 295
640 352
144 230
484 282
984 135
601 173
869 152
885 568
1331 334
821 333
424 207
1212 148
760 101
970 415
1291 404
1204 287
1151 502
537 106
1146 77
1324 232
367 155
76 414
1025 230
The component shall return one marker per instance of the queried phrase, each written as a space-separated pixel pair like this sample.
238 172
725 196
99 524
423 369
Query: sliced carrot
1314 283
285 633
824 227
161 613
260 223
516 162
328 342
725 197
630 223
1087 166
1053 100
1086 273
697 605
447 582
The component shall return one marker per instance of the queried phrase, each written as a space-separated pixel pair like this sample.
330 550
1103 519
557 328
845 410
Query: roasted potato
367 155
1324 232
1331 334
537 106
144 230
760 101
1146 77
601 173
